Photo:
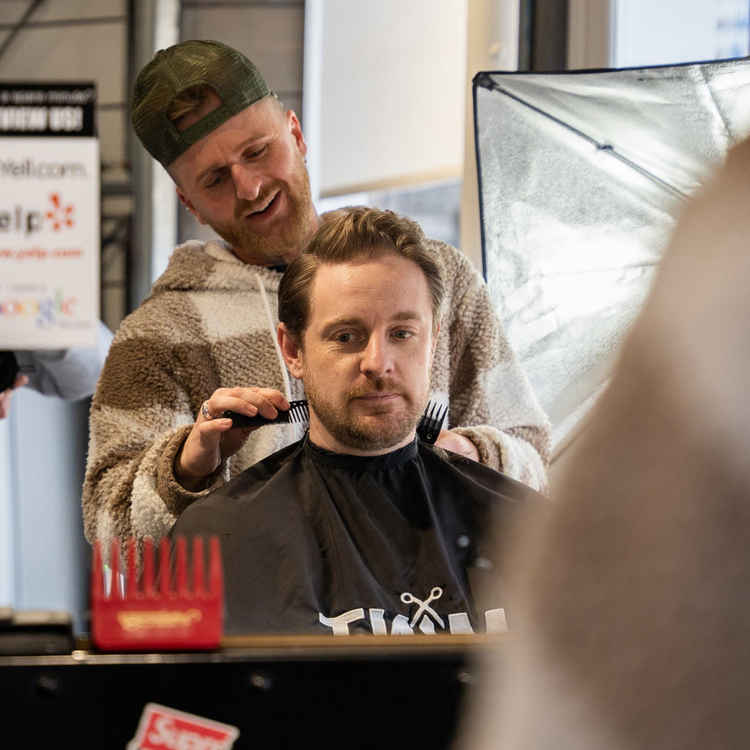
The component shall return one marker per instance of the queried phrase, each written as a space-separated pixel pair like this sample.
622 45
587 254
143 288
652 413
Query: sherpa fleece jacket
210 322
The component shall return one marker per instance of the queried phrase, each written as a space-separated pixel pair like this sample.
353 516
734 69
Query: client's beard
374 432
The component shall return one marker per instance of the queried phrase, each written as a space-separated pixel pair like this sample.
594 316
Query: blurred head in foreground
635 618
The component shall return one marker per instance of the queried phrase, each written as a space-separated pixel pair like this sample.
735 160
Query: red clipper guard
168 619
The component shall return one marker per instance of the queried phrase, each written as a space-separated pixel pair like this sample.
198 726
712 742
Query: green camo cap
236 81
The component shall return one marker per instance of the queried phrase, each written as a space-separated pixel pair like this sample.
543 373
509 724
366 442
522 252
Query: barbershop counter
278 691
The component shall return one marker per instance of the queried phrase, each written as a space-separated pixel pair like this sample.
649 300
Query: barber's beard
374 431
288 237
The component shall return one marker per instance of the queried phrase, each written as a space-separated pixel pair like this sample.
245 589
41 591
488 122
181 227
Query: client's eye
403 334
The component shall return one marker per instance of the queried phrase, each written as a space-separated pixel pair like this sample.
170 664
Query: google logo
44 309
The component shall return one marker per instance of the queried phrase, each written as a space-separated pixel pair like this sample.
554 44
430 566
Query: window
674 31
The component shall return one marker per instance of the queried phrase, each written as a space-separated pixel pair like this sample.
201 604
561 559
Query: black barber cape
314 541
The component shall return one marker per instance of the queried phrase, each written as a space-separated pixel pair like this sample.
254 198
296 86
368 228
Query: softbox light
581 177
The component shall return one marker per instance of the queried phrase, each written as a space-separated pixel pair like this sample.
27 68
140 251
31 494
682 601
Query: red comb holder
168 619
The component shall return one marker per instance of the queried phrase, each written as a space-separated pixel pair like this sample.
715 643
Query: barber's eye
345 337
214 180
256 152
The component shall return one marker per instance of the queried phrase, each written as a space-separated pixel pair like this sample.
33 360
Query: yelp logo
58 215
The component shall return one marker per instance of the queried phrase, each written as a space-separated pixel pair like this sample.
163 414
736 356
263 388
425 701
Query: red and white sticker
163 728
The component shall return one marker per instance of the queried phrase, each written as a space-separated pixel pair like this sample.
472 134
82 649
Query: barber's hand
5 395
212 438
457 443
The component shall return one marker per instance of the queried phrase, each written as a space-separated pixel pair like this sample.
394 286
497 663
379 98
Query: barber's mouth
265 211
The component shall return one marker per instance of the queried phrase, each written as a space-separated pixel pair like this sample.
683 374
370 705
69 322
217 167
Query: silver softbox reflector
581 176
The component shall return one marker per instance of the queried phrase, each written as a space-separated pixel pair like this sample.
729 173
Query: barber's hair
348 234
192 99
188 101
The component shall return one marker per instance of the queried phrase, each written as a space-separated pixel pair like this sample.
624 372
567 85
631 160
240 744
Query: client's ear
290 350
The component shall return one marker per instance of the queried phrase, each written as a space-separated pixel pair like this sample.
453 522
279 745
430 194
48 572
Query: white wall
391 92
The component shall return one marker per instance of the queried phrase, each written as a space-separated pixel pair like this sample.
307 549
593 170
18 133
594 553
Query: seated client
360 526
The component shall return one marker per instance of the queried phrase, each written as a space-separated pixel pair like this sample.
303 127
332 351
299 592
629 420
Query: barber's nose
247 183
376 357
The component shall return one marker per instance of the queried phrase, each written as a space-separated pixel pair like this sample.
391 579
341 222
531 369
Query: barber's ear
290 350
188 205
296 130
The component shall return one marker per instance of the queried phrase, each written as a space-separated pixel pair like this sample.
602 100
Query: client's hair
346 234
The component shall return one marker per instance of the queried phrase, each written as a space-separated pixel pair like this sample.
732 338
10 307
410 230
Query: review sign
49 216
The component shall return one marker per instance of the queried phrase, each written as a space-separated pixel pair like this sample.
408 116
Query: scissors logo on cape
424 606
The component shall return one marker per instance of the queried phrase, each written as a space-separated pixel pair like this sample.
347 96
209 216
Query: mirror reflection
572 235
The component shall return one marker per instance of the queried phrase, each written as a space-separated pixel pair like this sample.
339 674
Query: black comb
431 423
298 412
